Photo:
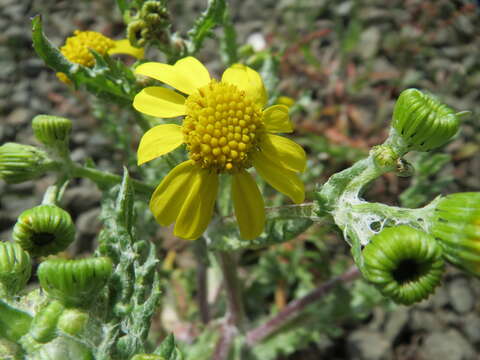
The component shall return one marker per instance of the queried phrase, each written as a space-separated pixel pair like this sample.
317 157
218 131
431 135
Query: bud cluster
151 23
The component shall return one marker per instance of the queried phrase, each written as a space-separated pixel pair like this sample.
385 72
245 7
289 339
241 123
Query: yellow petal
159 101
284 180
277 120
187 75
158 141
248 204
197 209
124 47
284 151
247 79
170 195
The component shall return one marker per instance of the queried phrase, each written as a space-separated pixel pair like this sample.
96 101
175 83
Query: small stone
368 345
449 345
19 116
397 320
471 327
424 321
81 198
461 296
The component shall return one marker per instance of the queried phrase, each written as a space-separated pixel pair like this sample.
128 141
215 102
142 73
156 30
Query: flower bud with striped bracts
404 263
422 121
456 226
51 130
44 230
15 267
19 163
74 282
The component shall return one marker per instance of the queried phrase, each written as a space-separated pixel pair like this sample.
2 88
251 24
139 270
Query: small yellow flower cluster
76 48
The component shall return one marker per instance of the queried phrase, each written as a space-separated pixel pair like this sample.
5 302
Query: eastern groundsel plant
206 140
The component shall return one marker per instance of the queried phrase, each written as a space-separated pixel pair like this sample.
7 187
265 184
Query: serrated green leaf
205 23
276 231
46 50
167 348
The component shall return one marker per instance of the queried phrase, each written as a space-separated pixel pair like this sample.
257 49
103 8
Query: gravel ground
447 326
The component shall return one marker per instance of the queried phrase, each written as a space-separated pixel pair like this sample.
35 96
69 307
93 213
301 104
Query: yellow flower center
76 48
222 127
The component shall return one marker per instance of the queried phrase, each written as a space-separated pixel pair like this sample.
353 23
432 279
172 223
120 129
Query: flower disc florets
222 127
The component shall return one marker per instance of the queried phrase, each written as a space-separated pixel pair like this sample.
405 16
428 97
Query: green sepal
15 267
14 323
44 230
404 263
74 282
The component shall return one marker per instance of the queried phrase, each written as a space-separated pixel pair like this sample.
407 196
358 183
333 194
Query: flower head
404 263
77 49
226 130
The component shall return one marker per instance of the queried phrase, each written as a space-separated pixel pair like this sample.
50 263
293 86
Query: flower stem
235 310
106 180
200 251
295 308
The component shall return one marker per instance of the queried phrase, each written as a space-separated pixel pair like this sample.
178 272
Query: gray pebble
448 345
460 295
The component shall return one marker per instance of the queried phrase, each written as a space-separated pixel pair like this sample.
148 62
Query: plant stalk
295 308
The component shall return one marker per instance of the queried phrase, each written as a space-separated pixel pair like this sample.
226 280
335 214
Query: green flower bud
147 357
51 130
384 156
72 321
404 263
422 121
456 226
15 267
19 163
134 33
44 230
74 282
44 324
63 348
13 322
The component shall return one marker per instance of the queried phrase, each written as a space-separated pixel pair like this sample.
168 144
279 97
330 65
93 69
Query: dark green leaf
47 51
205 23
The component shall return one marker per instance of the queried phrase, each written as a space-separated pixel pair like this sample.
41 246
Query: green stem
106 180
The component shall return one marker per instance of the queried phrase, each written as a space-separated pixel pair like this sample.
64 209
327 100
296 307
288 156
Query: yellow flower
226 130
76 49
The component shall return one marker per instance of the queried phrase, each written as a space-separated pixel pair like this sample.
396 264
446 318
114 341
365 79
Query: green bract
50 129
15 267
44 230
74 282
422 121
404 263
44 324
19 163
456 226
